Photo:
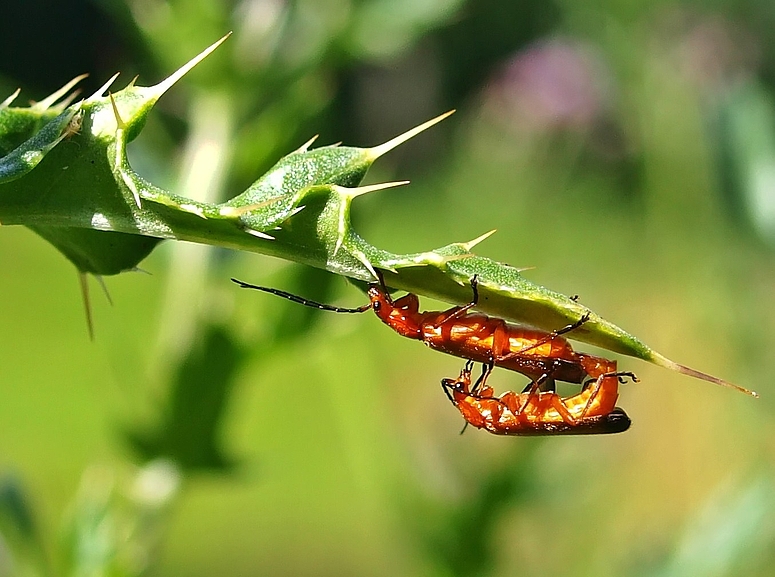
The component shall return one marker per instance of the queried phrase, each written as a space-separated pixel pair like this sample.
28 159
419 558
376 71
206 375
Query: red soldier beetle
541 356
593 411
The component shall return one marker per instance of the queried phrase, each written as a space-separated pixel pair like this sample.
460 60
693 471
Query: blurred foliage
624 149
188 433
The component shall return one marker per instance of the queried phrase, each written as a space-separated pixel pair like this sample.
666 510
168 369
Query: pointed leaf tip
83 280
166 84
684 370
304 147
353 192
382 149
472 243
102 89
51 99
7 102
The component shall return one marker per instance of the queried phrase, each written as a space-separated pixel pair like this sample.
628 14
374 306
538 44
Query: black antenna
301 300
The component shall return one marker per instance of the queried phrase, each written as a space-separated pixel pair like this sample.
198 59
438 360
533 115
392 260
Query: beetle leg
597 384
446 385
552 335
500 343
558 405
482 380
532 391
458 311
547 385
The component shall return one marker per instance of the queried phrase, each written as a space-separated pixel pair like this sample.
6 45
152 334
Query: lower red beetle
593 411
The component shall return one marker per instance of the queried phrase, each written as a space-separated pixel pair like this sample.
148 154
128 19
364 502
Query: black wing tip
617 421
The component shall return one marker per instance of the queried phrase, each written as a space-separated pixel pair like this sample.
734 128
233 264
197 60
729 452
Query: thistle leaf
72 183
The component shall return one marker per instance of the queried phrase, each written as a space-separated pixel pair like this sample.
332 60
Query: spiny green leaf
299 211
27 155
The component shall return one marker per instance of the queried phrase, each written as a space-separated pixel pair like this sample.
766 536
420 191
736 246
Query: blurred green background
625 150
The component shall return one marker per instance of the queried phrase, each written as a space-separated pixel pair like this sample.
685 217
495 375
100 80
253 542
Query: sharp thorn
377 151
683 369
119 121
472 243
259 234
101 281
101 90
7 102
167 83
304 147
84 282
353 192
52 98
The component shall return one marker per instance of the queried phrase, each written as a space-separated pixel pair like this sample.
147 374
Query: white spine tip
353 192
167 83
382 149
683 369
52 98
102 89
7 102
259 234
304 147
472 243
